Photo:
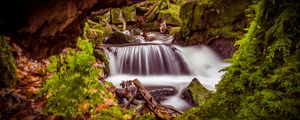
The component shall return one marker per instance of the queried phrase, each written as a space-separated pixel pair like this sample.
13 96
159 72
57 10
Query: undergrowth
74 90
263 80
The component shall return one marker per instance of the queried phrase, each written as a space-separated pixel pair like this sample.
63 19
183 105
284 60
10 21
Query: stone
118 38
204 22
159 93
171 16
128 14
195 93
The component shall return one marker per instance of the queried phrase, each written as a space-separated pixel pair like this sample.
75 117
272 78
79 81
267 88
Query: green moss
8 77
113 113
263 80
225 31
118 38
171 16
153 14
215 17
128 14
196 93
174 30
145 117
191 114
102 57
93 32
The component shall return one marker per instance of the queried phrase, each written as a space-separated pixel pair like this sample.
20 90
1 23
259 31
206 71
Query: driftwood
160 111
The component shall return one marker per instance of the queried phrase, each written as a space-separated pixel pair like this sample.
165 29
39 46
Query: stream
162 65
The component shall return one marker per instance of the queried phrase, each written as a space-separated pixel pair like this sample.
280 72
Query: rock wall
44 27
215 23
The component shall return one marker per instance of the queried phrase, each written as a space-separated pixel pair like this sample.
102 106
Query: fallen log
160 111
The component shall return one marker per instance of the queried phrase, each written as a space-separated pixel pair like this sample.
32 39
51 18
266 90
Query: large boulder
195 93
45 27
118 38
206 22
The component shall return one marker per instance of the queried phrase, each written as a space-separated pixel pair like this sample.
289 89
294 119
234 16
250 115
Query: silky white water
202 63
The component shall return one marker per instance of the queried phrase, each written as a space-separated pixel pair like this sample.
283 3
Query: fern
74 89
263 80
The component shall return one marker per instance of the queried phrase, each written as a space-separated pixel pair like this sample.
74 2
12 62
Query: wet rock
136 31
118 38
161 93
195 93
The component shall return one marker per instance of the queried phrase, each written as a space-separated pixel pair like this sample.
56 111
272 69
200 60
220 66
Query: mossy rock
99 54
8 77
170 16
195 93
152 26
152 14
215 17
174 30
118 38
129 15
93 31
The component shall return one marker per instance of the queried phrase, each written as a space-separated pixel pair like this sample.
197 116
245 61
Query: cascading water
165 65
147 60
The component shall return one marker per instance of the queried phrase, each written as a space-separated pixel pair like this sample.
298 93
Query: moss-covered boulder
128 14
99 54
195 93
170 16
154 10
163 10
8 77
93 31
205 21
118 38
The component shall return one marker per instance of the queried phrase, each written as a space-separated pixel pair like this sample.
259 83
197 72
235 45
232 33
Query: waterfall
147 60
161 65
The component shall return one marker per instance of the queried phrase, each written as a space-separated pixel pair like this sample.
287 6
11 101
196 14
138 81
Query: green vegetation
164 11
196 93
118 38
128 14
93 32
263 80
210 18
261 83
8 77
74 89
